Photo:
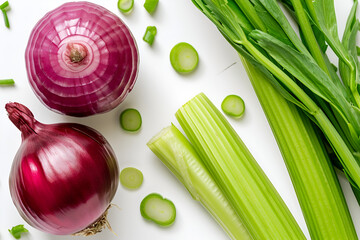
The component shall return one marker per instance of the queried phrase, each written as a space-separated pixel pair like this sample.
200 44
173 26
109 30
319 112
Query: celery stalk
313 177
234 169
175 151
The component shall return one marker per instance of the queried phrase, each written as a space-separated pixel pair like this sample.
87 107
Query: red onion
64 175
81 59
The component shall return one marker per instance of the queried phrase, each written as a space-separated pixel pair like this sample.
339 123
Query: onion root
97 226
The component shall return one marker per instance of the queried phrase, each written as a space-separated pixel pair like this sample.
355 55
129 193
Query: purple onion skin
81 59
64 176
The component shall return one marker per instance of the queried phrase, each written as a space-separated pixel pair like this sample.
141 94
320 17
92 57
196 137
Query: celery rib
175 151
316 185
234 169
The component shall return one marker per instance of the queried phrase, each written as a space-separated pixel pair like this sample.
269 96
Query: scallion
233 105
160 210
150 5
4 8
125 6
150 34
5 5
130 120
184 58
7 81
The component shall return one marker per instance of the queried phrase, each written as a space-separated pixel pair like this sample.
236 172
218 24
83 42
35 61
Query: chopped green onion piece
125 6
131 178
160 210
17 230
358 50
7 82
6 19
184 58
237 173
233 105
150 34
4 8
177 153
130 120
5 5
150 5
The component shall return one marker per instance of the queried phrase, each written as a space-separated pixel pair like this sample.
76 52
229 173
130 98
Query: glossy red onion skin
81 89
64 176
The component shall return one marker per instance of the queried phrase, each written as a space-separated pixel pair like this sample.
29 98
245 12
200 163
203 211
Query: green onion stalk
295 83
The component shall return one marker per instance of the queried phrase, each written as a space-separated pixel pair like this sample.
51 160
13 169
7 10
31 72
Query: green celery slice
176 152
131 178
130 120
184 58
233 106
160 210
237 173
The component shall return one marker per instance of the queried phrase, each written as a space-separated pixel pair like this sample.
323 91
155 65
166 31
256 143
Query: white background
158 93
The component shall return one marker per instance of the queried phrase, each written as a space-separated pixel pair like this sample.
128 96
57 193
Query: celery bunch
236 172
299 67
278 61
221 165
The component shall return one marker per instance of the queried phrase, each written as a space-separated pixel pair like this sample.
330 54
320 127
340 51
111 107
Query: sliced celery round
160 210
130 120
233 105
131 178
184 58
125 6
